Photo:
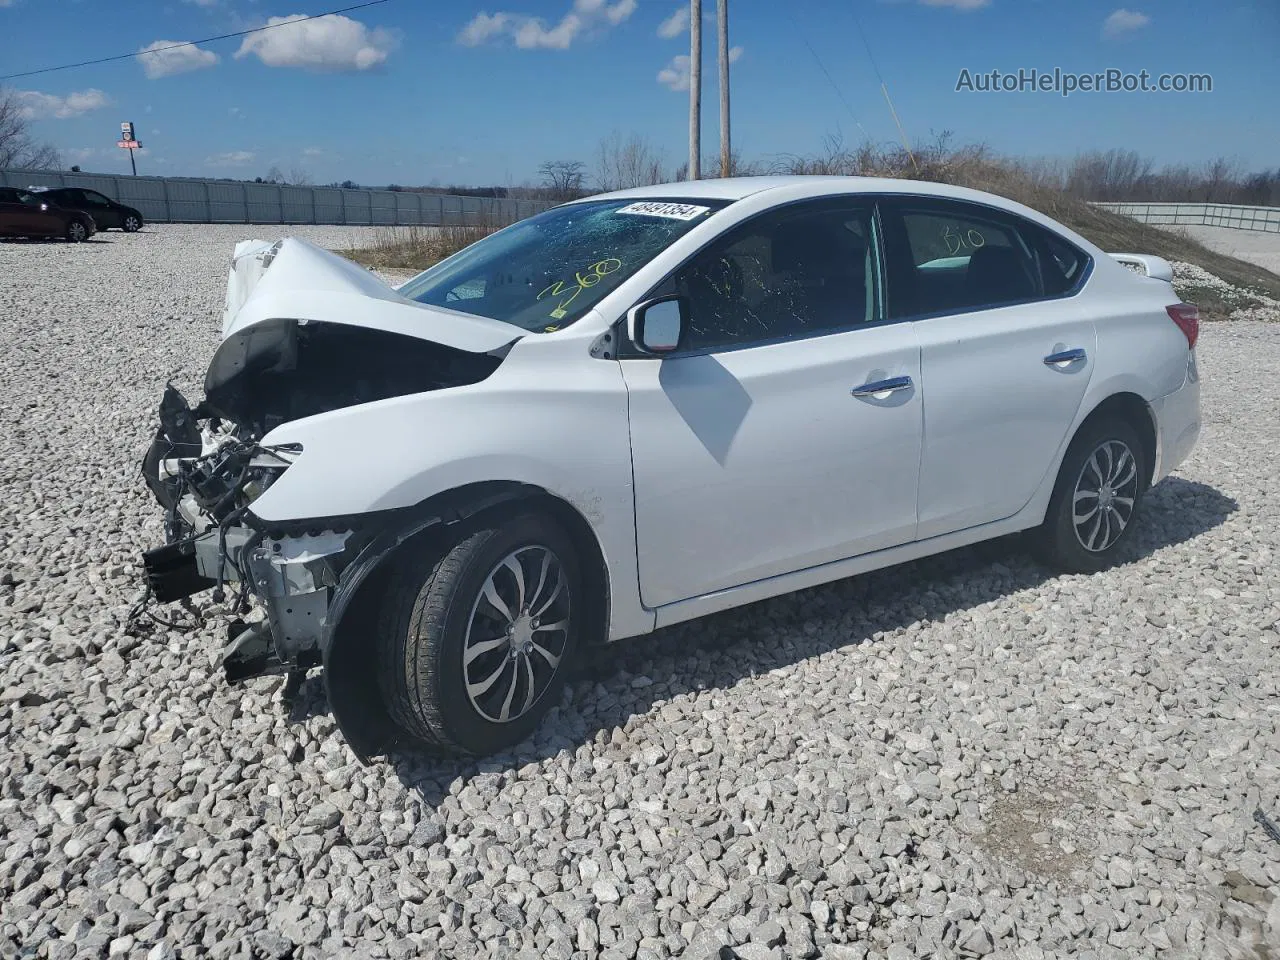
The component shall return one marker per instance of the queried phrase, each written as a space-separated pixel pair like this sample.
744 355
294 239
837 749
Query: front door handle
1063 357
892 385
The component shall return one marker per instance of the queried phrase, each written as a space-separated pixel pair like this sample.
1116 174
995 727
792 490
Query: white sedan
640 408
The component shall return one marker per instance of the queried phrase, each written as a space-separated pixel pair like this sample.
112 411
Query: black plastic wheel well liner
350 632
1137 413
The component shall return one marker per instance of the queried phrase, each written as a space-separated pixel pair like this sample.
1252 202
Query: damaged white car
641 408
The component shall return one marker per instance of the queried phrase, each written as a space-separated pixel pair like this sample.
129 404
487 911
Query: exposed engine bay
208 464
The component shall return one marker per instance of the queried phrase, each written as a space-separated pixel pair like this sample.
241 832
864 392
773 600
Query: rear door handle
1063 357
892 385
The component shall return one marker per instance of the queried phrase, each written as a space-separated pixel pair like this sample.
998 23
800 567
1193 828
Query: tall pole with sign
128 142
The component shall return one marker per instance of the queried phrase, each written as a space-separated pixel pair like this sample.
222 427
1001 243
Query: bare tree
299 177
17 147
562 179
629 162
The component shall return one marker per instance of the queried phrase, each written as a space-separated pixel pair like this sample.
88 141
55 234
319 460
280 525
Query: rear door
758 448
105 213
1007 351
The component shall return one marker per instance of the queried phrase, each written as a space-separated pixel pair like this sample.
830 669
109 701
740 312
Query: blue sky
450 91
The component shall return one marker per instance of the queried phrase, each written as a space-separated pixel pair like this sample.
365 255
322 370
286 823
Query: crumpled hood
297 280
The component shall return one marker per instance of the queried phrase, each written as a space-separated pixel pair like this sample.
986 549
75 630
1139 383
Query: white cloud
958 4
1124 21
484 26
234 158
313 151
34 104
332 43
675 24
532 33
202 3
158 62
675 75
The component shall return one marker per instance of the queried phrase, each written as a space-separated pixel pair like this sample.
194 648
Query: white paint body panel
751 472
767 456
306 282
995 414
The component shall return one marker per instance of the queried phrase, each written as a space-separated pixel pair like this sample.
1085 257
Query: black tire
132 223
1087 545
77 232
431 602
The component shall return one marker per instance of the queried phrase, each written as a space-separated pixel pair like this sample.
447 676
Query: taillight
1187 317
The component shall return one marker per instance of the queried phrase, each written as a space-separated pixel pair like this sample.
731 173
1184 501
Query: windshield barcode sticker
672 211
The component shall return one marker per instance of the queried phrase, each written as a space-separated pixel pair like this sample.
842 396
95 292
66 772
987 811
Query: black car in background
106 212
27 214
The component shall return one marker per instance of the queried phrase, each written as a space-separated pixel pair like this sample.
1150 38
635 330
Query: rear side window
945 256
1061 265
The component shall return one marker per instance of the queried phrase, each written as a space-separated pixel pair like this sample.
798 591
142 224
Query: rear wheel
476 637
77 232
132 223
1097 497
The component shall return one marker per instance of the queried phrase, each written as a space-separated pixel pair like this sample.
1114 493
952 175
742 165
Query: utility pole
695 89
726 154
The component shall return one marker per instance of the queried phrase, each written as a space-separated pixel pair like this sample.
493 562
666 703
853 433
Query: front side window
95 199
544 273
799 271
945 256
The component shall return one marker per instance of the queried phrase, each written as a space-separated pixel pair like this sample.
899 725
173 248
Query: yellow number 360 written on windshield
582 280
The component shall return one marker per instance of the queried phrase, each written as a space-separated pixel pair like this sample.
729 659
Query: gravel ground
1251 245
964 756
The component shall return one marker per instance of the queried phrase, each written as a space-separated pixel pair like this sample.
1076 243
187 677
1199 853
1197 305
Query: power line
884 87
825 73
189 43
870 56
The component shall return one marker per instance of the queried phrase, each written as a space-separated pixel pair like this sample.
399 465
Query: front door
786 430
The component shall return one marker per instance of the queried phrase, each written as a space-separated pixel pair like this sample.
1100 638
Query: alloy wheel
131 224
76 232
1105 492
517 634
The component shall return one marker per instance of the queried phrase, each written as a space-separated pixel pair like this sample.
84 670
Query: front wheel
131 224
475 638
77 232
1097 497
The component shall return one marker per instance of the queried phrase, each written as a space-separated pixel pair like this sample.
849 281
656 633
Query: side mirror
656 327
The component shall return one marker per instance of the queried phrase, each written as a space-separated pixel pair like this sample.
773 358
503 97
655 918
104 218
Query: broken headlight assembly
207 472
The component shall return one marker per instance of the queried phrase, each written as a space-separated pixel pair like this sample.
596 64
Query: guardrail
192 200
1240 217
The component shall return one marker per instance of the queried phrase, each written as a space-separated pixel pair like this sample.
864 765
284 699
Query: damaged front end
206 473
305 333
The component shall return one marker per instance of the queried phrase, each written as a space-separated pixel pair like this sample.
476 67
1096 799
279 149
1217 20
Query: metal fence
189 200
1266 219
